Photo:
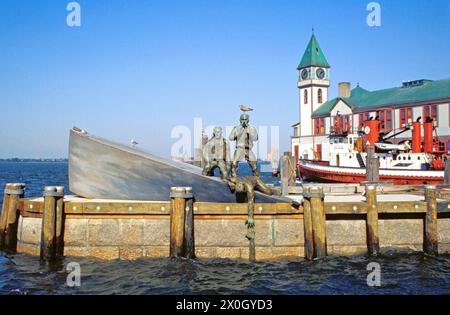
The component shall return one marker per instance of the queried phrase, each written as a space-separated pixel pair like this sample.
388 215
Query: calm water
405 273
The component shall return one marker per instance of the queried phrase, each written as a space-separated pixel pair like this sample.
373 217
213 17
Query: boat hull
310 171
99 168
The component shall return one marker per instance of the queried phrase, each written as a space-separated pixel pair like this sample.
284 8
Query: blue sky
135 69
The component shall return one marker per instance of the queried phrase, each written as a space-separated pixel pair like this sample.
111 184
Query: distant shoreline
28 160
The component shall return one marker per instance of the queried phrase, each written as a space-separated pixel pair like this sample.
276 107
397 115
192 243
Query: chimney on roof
344 89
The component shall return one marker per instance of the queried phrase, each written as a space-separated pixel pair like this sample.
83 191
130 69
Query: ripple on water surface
400 274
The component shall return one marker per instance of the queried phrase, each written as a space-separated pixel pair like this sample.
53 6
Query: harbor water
399 273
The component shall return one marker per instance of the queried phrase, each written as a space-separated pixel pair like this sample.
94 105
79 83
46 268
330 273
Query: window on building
305 96
319 126
385 119
362 118
430 111
319 96
405 116
341 124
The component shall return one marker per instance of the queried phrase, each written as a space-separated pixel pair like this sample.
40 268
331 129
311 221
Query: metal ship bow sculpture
100 168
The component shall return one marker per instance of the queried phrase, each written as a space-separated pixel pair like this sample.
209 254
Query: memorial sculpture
100 168
216 153
244 135
127 172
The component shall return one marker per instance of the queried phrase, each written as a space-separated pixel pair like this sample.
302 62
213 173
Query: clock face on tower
320 73
304 74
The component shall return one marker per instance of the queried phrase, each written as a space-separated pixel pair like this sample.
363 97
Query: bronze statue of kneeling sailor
216 153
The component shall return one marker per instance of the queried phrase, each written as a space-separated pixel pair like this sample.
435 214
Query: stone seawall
223 236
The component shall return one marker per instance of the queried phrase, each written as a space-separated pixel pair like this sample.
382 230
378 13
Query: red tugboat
410 162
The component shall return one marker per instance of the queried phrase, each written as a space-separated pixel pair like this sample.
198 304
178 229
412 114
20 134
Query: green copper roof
313 55
358 92
361 99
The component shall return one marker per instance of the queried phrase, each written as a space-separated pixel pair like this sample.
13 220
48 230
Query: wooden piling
292 173
430 245
48 233
293 170
307 225
318 221
59 233
447 170
372 165
376 168
4 215
373 241
182 243
189 238
15 191
284 174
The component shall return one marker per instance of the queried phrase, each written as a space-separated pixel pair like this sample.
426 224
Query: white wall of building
341 108
417 112
444 120
355 123
305 112
306 149
328 125
306 109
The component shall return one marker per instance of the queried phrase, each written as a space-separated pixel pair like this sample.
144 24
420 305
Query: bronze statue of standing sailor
244 135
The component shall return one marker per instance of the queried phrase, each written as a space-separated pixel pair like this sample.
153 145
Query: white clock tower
313 83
